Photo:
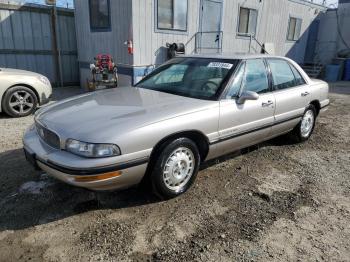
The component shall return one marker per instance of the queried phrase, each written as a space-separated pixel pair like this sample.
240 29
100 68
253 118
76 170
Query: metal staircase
313 70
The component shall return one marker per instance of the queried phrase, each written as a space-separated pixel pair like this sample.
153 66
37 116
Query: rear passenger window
299 80
282 74
255 76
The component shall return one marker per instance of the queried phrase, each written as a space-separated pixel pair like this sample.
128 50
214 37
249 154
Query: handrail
219 38
252 37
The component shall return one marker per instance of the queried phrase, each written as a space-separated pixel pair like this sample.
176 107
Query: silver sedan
189 110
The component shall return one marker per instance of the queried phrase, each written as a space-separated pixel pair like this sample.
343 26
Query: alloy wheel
21 102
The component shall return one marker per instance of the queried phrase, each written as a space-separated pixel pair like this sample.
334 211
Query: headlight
91 150
44 80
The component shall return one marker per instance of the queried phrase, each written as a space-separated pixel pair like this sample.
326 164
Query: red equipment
103 62
104 73
130 47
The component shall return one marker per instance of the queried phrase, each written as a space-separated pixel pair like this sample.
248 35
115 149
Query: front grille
48 136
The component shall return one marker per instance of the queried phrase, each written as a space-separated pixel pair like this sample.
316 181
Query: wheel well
197 137
317 106
25 85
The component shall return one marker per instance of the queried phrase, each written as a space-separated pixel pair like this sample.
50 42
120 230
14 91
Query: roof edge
307 3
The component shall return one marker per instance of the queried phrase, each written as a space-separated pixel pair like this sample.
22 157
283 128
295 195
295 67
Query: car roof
238 56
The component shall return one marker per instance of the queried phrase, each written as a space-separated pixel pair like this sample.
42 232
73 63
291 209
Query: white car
22 91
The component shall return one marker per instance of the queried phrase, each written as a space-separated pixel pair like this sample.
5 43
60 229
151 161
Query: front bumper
45 100
94 174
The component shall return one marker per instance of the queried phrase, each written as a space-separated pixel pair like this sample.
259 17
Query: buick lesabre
189 110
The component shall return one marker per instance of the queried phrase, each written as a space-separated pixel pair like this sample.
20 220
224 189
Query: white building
104 26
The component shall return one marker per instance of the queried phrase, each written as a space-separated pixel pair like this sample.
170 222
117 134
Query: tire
305 128
176 168
19 101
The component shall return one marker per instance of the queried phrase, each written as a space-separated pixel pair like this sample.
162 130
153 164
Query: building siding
271 27
136 20
112 42
26 41
150 43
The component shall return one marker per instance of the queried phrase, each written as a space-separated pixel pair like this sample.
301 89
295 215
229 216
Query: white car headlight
91 150
44 80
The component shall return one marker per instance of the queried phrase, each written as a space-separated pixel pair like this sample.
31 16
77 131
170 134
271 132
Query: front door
209 36
242 125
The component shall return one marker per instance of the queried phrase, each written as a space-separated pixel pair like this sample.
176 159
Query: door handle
268 103
305 94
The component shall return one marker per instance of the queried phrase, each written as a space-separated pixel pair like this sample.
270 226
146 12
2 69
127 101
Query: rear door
291 94
242 125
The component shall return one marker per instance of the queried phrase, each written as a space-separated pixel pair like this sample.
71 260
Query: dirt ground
277 201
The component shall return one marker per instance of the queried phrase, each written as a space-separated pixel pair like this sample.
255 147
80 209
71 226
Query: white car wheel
19 101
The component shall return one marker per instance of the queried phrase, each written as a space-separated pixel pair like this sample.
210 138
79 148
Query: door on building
209 36
311 42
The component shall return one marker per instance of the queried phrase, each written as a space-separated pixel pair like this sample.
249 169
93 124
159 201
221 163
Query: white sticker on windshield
220 65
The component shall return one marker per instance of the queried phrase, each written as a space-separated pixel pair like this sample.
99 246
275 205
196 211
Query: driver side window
250 76
237 82
255 76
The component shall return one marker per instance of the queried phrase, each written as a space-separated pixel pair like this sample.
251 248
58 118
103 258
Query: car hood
17 72
90 117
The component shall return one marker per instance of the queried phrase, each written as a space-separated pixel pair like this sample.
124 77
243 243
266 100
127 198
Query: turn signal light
97 177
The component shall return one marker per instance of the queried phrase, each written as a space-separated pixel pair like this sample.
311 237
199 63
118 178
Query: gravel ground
277 201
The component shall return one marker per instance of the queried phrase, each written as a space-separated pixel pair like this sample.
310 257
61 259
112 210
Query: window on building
99 15
247 21
172 14
294 29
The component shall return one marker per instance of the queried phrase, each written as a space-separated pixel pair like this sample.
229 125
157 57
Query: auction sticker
220 65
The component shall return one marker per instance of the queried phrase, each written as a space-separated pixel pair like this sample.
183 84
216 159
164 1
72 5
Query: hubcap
178 168
21 102
307 123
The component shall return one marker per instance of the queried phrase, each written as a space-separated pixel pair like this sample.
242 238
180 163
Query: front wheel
176 168
306 126
19 101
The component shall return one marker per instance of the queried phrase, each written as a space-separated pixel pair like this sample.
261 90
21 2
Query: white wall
273 18
149 45
111 42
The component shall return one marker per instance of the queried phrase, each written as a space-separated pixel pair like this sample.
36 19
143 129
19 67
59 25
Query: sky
61 3
329 3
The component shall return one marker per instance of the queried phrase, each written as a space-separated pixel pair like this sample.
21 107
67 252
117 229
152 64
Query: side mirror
247 95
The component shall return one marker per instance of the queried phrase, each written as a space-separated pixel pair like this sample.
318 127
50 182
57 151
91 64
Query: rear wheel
304 129
19 101
176 168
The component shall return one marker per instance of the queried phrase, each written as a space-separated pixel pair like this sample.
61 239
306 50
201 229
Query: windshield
192 77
